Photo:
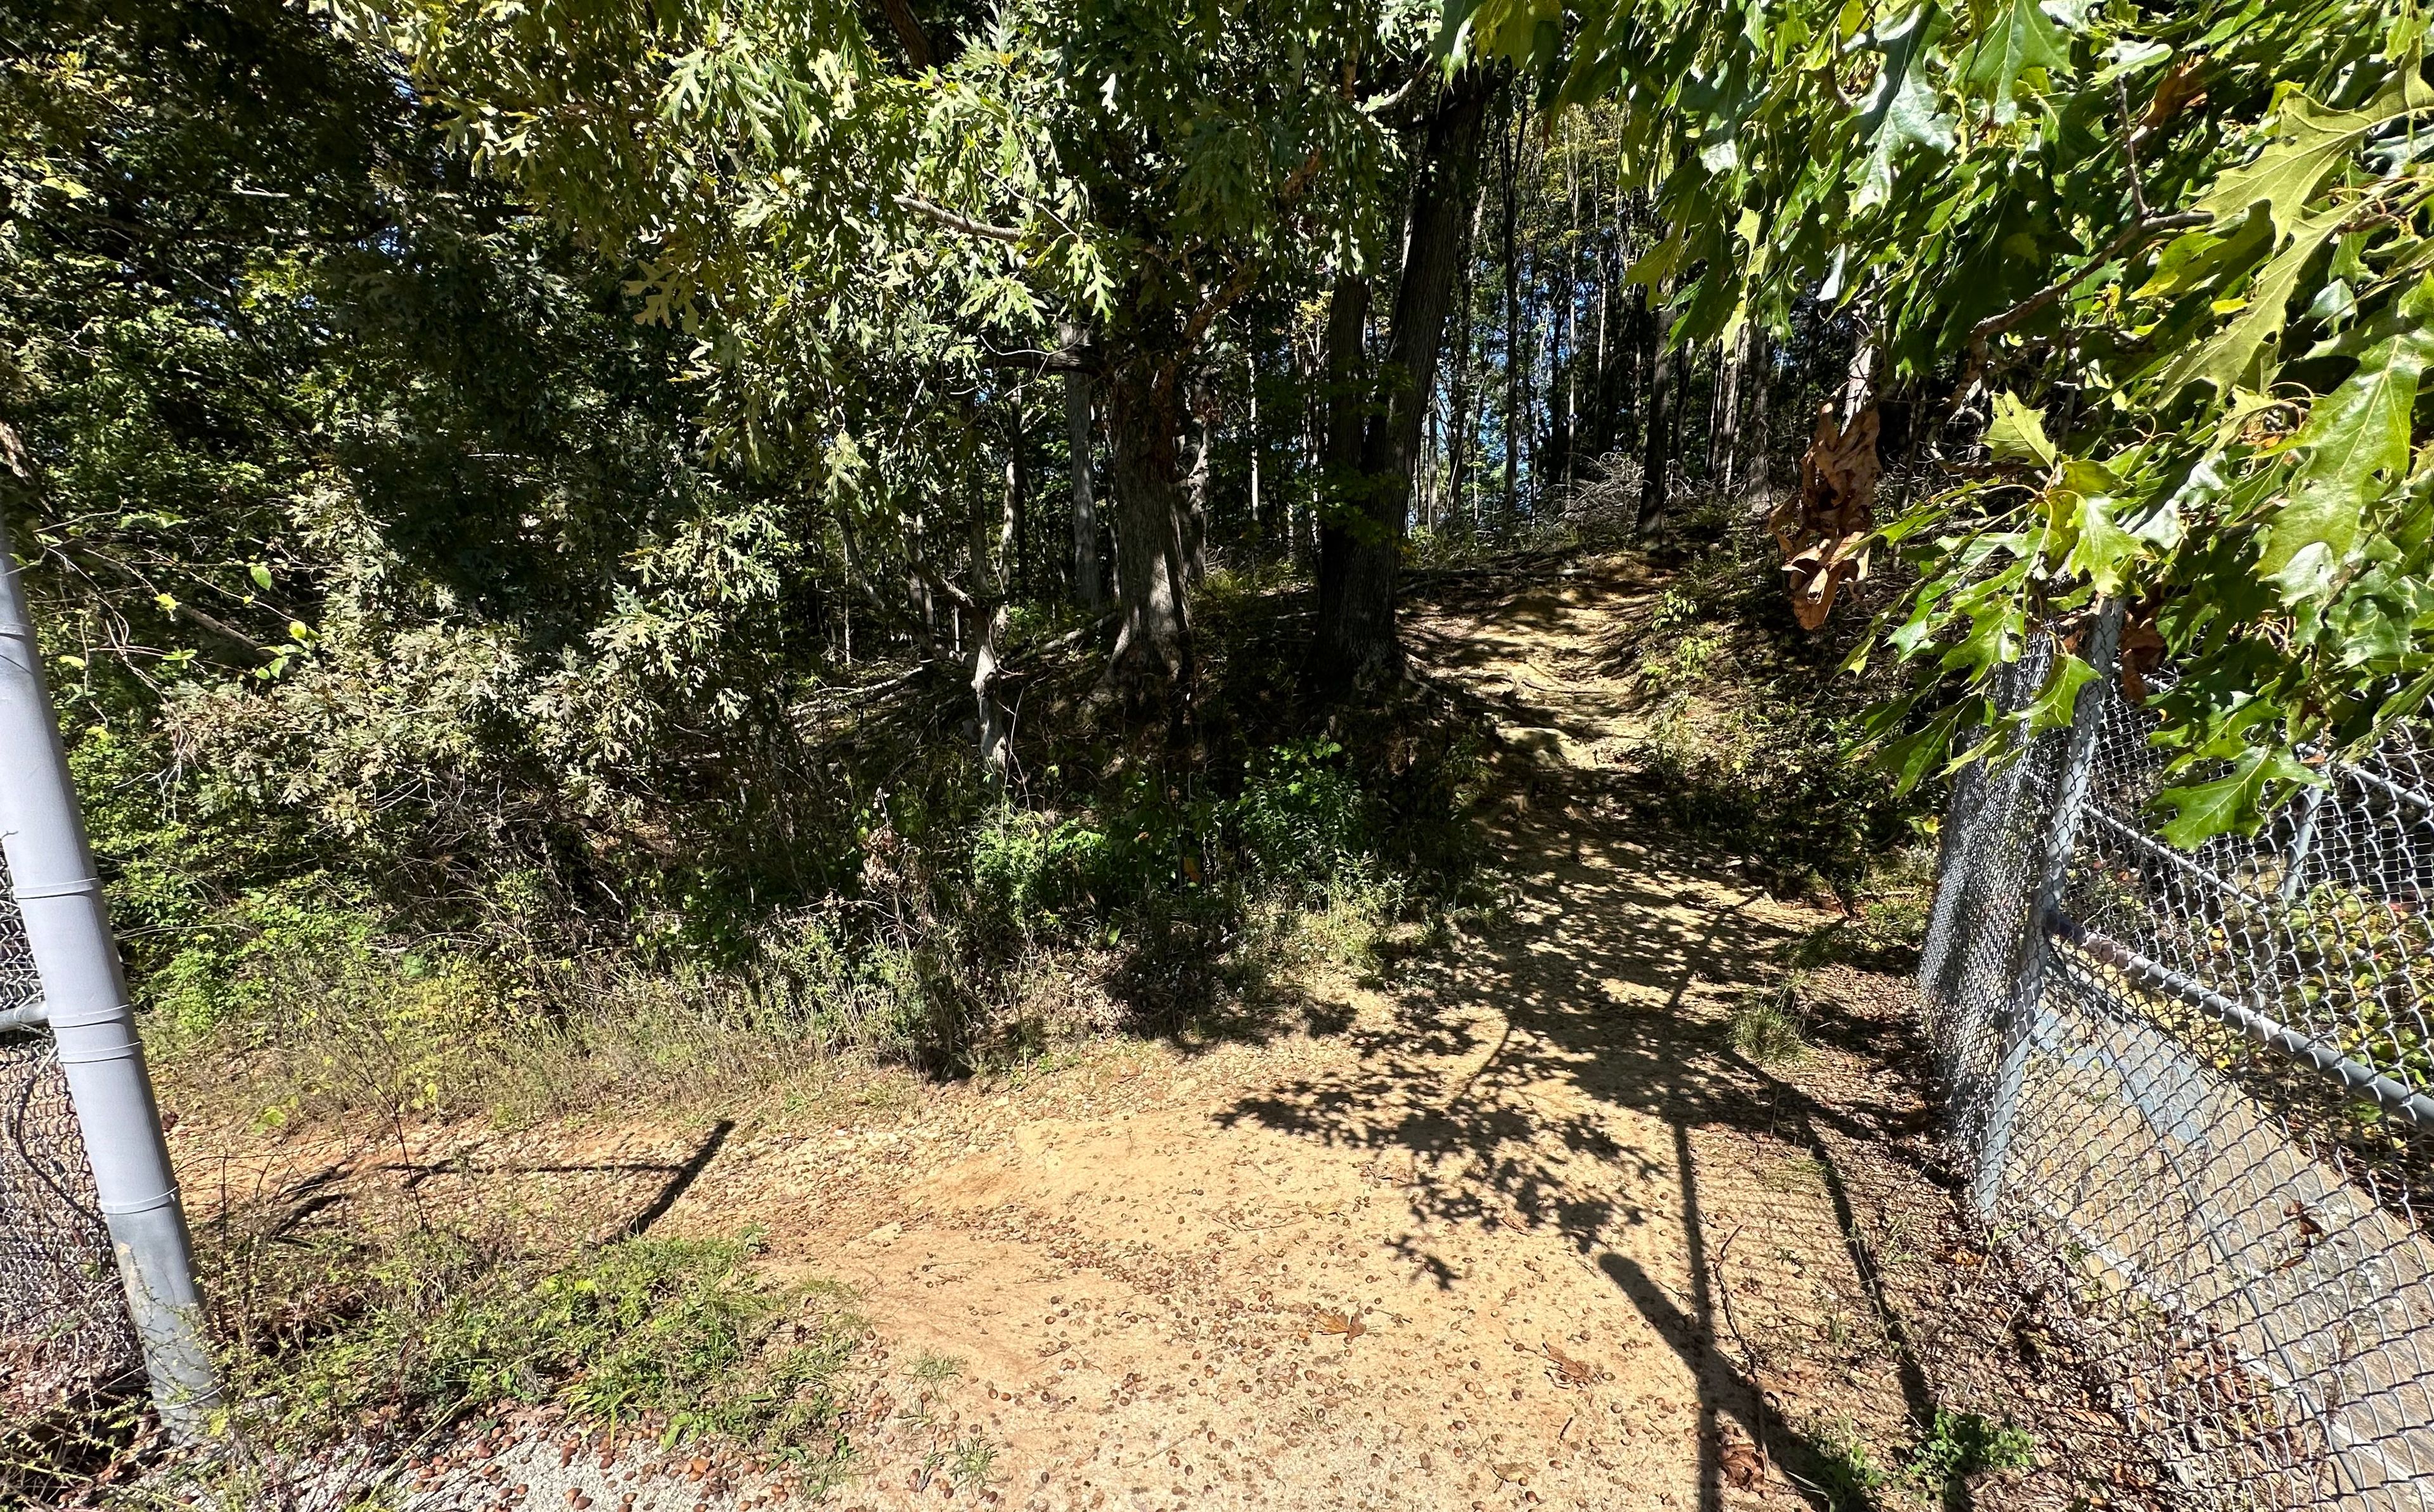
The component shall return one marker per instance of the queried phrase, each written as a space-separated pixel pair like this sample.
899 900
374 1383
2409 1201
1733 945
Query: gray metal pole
2028 1010
84 995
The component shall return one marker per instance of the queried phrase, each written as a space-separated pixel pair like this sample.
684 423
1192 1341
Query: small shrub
1299 816
1962 1444
1029 870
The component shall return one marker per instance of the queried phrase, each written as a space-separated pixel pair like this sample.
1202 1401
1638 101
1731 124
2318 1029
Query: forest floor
1510 1224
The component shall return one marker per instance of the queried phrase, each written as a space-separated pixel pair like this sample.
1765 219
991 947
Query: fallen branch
1072 637
866 689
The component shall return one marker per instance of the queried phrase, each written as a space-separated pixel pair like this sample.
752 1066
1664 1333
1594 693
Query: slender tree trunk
1356 621
1724 426
1462 439
1572 322
1599 398
1644 336
1152 651
1345 364
1195 492
1251 390
916 593
1457 404
1089 588
1657 448
988 629
1017 482
1751 473
1513 357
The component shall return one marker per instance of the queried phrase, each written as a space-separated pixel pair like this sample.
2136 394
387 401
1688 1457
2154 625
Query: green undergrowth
682 1336
347 1349
1167 877
1754 724
1957 1451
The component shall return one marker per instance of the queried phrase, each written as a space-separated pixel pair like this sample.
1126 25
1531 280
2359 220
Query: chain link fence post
85 1004
2024 1020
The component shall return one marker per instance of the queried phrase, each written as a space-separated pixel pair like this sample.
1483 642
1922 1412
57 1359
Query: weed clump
1962 1444
682 1334
1767 1025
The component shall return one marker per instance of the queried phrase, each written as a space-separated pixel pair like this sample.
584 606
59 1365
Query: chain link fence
63 1323
2196 1090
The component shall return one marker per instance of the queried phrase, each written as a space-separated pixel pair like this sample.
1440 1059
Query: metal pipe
29 1014
2357 1077
67 925
2027 1008
2172 855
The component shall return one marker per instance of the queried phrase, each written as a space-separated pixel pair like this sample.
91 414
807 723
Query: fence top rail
2355 1076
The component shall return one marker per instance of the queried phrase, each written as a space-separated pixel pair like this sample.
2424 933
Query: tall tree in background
1362 546
853 233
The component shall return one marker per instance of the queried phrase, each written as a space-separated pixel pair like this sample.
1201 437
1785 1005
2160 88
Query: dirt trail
1514 1228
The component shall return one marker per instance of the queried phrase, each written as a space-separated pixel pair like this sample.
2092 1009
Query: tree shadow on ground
1590 1021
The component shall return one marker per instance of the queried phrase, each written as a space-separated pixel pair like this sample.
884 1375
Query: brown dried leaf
1741 1465
2181 88
1347 1325
1823 532
1574 1373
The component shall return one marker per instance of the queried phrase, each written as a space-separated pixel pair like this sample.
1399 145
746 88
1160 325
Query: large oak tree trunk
1358 561
1153 653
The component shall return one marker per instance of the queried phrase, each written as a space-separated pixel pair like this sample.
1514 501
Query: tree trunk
1600 402
1723 412
1195 490
1511 321
1750 473
988 630
1461 438
1089 590
1572 323
1251 391
1345 364
1153 653
1356 620
1017 485
1657 439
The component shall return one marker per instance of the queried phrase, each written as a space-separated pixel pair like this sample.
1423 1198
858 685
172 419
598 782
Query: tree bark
1346 365
1657 437
1462 402
910 35
1724 418
1017 485
988 630
1356 620
1751 473
1089 590
1195 488
1152 652
1251 392
1572 323
1511 321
